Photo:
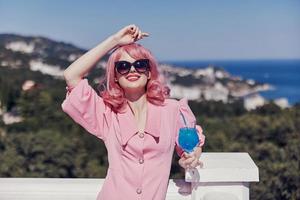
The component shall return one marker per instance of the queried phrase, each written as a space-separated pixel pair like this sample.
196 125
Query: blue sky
179 30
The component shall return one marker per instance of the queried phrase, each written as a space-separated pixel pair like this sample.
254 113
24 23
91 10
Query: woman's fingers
132 28
189 160
129 34
185 154
195 163
128 29
182 163
139 35
145 34
133 32
189 155
136 32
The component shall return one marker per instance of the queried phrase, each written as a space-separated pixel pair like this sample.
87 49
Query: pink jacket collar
126 120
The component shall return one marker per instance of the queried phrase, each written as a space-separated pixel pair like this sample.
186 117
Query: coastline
279 77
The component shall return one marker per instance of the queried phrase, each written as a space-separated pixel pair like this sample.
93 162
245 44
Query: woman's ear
149 75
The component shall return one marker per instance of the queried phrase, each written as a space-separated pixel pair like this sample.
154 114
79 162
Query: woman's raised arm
74 73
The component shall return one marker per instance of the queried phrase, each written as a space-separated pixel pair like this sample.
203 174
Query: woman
133 116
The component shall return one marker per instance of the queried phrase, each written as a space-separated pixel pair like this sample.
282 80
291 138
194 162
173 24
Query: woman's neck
137 101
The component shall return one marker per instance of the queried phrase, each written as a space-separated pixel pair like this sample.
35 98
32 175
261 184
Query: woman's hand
191 160
129 34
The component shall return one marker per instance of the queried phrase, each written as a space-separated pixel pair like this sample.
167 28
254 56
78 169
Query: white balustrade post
223 176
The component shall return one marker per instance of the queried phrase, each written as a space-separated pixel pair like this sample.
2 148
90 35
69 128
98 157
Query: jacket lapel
128 126
153 120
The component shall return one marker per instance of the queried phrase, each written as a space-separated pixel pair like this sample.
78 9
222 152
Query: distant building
253 101
282 102
216 93
192 93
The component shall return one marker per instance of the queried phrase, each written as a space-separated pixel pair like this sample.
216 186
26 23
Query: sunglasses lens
123 67
141 65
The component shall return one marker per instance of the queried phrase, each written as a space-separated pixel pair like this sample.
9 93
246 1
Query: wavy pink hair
113 94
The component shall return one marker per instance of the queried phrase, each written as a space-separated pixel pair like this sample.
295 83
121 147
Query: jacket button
141 160
141 135
138 191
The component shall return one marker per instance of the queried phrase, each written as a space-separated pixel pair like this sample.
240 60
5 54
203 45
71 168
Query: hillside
52 57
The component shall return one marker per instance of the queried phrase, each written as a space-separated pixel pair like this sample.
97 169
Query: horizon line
228 59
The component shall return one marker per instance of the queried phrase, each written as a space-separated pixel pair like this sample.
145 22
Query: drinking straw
183 119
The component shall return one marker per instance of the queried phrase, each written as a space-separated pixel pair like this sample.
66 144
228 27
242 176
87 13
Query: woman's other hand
129 34
191 160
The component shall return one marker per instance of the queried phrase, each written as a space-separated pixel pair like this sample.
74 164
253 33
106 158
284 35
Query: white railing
223 176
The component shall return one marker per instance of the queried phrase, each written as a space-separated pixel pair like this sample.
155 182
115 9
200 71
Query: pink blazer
139 162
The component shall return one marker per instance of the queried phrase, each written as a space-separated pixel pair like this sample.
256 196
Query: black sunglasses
141 66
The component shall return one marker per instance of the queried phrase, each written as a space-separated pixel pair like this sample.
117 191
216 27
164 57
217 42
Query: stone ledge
72 188
224 167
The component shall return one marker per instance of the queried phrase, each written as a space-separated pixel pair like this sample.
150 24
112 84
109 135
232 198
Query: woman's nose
132 69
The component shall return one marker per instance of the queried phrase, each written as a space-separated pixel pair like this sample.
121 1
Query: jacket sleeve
86 108
190 117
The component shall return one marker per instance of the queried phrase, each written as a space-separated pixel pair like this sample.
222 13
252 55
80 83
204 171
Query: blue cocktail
188 137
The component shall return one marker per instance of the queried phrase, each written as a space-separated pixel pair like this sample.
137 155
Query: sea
283 75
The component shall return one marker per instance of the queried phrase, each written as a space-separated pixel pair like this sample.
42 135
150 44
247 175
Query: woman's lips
133 77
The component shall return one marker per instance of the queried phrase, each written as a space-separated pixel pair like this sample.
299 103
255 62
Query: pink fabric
139 163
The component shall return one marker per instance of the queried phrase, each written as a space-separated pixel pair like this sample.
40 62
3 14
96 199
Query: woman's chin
132 85
134 88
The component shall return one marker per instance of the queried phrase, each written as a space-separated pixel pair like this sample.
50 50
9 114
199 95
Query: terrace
223 176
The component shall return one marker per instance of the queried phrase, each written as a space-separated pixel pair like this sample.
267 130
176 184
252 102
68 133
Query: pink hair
113 94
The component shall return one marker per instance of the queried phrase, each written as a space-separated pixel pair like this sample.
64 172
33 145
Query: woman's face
133 80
